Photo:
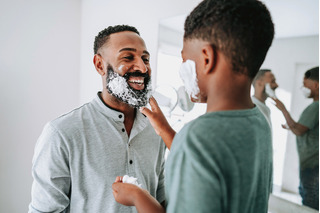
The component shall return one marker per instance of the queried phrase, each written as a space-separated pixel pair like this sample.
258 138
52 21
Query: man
221 161
307 132
79 154
262 83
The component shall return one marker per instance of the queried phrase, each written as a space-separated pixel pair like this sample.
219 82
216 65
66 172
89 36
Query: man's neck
116 104
128 111
261 97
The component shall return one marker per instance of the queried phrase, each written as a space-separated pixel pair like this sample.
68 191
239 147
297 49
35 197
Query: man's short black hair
312 74
104 35
260 75
241 29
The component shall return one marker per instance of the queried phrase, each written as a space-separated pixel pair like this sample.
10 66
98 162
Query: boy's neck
230 92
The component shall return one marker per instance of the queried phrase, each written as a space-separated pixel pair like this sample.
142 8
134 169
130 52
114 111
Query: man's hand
159 122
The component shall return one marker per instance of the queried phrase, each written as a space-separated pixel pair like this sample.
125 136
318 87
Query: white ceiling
292 18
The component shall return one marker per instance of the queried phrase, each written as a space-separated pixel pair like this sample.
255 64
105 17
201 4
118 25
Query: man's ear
98 63
260 83
209 57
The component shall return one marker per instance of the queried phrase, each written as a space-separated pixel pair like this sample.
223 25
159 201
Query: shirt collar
140 121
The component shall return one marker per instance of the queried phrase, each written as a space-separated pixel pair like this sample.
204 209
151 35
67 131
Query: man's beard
118 86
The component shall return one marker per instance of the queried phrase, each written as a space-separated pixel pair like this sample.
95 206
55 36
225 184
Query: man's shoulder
70 118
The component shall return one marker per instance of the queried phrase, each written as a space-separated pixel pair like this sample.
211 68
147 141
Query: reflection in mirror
167 98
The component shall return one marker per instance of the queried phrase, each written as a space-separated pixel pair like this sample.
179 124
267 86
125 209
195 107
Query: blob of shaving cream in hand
270 92
132 180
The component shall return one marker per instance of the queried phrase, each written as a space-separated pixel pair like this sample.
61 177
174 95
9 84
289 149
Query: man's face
126 62
269 78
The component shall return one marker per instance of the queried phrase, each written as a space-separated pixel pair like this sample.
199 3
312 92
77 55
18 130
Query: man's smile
136 82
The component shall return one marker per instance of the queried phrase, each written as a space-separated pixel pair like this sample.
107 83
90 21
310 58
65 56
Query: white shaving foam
188 75
120 67
270 92
132 180
119 86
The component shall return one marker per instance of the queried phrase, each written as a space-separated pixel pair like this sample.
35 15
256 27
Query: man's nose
141 66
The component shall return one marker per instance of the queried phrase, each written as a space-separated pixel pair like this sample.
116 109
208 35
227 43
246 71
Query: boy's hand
155 116
159 122
125 193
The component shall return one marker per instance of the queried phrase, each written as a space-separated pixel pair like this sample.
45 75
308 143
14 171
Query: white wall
39 80
143 14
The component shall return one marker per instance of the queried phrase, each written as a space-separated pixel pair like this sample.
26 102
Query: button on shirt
79 155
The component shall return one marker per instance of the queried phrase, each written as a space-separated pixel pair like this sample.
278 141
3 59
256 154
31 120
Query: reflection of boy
222 161
307 132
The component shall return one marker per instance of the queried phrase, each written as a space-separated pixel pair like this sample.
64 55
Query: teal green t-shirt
308 143
221 162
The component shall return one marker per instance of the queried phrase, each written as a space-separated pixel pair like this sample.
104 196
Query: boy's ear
209 57
98 64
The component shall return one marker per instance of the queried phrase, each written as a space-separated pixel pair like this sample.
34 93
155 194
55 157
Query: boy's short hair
241 29
104 35
312 74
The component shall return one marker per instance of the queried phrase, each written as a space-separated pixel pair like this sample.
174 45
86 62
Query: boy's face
192 51
312 85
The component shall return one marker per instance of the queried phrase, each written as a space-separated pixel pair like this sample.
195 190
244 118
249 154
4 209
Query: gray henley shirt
78 156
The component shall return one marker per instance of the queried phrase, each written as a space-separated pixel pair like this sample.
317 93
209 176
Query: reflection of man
307 132
262 83
221 161
79 154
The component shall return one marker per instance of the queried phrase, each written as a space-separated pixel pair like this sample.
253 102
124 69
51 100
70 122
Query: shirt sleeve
310 116
194 186
50 171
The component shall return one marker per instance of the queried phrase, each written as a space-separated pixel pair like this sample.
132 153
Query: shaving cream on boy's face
118 86
188 75
306 92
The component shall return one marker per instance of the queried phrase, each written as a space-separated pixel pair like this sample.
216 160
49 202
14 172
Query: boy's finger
153 103
144 110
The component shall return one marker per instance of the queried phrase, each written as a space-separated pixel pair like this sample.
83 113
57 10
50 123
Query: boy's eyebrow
133 50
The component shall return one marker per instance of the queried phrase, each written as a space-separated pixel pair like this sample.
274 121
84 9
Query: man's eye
128 57
145 59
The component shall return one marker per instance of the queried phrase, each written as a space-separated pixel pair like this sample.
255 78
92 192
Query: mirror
167 98
184 101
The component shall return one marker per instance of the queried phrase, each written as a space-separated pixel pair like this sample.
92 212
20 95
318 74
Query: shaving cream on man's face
188 75
270 92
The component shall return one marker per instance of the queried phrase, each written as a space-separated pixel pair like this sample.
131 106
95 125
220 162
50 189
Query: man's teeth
137 81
